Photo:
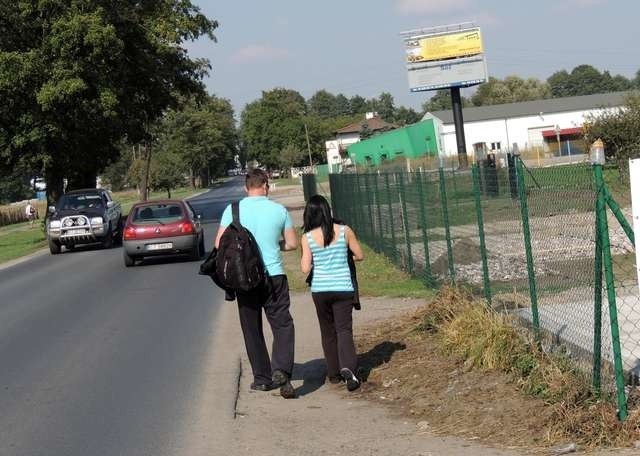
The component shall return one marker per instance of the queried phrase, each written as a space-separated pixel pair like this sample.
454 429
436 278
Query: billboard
446 46
445 57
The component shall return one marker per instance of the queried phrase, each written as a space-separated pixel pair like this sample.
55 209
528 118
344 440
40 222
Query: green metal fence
550 245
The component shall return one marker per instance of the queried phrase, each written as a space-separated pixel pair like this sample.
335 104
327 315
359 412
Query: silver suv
84 217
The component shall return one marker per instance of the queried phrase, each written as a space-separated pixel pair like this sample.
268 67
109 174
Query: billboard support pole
463 160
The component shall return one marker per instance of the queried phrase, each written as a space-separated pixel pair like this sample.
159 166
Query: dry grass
15 213
485 340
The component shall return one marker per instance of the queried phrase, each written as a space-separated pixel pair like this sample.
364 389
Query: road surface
99 359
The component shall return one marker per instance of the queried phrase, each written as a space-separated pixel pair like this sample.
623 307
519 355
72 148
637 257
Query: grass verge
377 276
488 341
20 241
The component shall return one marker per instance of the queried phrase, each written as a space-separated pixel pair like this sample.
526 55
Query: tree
441 101
512 89
271 123
77 76
357 105
619 129
323 104
290 156
586 80
383 105
405 116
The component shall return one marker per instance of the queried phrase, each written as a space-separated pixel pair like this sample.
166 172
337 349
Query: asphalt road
97 359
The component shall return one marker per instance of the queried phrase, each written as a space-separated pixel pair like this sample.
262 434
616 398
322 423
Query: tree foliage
442 101
619 129
586 80
271 123
511 89
196 141
76 76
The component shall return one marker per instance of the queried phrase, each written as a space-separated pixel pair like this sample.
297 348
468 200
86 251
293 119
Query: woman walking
325 249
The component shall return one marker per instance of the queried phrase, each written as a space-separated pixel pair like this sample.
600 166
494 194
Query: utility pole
306 131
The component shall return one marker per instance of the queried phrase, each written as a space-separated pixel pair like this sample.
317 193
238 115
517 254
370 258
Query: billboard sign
446 74
446 46
445 57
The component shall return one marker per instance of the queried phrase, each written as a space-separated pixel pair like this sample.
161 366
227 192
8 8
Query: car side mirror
110 204
51 209
199 216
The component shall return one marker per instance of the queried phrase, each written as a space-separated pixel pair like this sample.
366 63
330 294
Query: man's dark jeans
274 298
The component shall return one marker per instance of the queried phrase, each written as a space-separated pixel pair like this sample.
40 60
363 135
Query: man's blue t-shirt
266 220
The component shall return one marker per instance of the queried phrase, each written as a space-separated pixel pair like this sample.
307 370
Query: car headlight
81 221
55 224
97 221
68 222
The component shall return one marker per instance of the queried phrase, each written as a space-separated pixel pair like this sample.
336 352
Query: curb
17 261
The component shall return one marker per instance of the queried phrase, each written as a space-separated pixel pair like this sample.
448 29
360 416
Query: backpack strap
235 212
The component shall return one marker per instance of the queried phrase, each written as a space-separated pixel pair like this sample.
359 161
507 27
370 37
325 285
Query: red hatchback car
164 227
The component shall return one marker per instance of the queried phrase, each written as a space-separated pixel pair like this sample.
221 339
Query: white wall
333 148
509 131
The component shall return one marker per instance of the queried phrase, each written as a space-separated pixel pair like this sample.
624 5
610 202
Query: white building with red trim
551 127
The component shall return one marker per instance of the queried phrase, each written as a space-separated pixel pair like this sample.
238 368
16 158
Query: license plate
76 232
164 246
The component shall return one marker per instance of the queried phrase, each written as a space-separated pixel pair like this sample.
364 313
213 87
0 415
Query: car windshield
157 213
80 202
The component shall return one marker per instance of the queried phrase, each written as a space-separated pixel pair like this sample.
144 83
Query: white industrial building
551 127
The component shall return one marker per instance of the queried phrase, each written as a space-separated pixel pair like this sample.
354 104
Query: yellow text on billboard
440 47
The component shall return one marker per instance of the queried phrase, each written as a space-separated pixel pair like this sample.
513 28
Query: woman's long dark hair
317 214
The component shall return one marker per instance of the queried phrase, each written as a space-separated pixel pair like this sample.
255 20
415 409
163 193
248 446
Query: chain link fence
552 246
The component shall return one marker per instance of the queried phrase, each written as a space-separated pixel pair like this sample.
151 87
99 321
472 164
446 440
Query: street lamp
597 152
557 130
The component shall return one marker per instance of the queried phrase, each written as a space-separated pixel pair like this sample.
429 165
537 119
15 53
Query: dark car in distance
84 217
162 227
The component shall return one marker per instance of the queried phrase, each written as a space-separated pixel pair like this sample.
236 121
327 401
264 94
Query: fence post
369 196
597 303
393 231
445 219
611 291
483 247
526 231
425 238
376 193
405 223
309 186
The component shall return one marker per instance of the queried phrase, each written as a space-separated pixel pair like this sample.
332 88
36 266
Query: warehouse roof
532 108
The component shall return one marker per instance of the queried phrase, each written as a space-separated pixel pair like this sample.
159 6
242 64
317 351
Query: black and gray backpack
239 265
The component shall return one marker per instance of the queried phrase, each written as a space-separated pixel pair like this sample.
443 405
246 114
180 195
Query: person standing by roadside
31 213
325 249
271 226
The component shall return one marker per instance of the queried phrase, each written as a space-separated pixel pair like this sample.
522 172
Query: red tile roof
374 124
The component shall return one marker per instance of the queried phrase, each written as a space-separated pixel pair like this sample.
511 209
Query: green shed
413 141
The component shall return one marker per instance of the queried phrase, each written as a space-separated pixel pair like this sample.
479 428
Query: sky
354 46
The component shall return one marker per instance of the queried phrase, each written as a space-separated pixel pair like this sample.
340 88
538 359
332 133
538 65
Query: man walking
271 226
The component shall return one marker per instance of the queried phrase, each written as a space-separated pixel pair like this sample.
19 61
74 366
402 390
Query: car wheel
117 239
128 259
195 252
107 242
201 247
54 247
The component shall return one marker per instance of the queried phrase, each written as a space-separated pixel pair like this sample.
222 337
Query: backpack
238 263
